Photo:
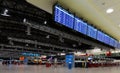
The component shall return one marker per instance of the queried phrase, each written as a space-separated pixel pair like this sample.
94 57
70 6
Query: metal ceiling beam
57 33
63 34
38 43
23 48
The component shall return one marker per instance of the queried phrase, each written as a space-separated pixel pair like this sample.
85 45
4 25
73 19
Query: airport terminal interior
59 36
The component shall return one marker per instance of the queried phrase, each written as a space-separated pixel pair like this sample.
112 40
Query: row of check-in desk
90 64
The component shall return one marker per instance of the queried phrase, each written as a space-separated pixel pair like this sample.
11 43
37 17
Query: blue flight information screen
118 45
100 36
63 17
115 43
80 26
92 32
111 41
67 19
106 39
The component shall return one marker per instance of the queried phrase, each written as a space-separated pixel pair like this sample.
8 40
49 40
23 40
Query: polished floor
60 69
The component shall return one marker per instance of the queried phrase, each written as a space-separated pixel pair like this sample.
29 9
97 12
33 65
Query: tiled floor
43 69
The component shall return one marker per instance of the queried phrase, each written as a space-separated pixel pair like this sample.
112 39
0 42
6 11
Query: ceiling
113 18
94 11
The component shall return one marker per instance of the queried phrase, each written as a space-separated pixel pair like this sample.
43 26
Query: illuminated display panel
67 19
111 41
63 17
106 39
92 32
77 25
100 36
80 26
115 45
118 45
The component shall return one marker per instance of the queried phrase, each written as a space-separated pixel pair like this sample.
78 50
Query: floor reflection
60 69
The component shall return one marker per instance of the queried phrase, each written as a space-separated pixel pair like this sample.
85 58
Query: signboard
69 60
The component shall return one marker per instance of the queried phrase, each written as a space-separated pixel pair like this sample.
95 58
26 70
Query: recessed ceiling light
45 22
5 13
109 10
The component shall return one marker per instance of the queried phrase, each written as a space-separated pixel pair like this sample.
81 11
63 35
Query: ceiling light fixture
24 20
5 13
26 45
45 22
109 10
48 36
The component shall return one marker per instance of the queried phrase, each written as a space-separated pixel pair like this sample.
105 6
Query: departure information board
92 32
114 44
100 36
106 39
63 17
80 26
111 41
